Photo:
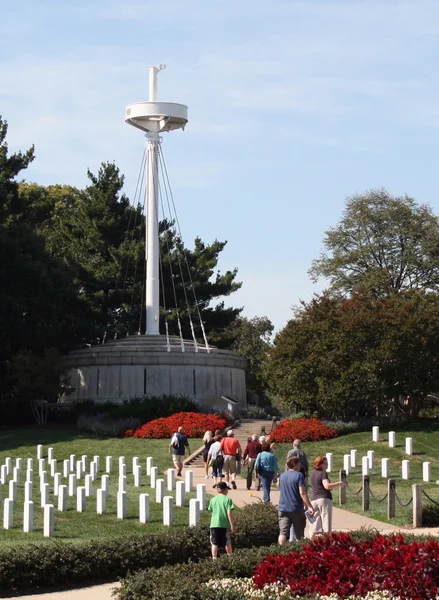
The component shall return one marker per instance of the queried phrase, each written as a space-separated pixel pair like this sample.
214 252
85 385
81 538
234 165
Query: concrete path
342 521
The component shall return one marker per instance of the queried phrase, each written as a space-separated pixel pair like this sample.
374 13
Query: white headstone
28 491
30 475
189 480
121 505
72 462
66 468
56 483
122 470
409 446
426 471
88 484
137 476
159 490
101 501
136 462
122 483
144 508
84 459
39 451
12 490
62 497
30 464
354 458
19 464
93 470
392 439
330 459
1 494
8 514
406 469
72 484
371 459
180 493
3 474
154 473
375 434
385 467
105 484
194 512
50 454
48 520
80 499
28 516
45 495
41 466
43 479
168 511
365 465
8 464
122 464
79 469
201 495
171 479
347 463
149 465
97 461
16 474
108 464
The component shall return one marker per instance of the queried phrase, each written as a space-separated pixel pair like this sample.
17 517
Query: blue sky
293 105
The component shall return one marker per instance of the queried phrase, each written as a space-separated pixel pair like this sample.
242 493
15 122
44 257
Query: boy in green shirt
221 523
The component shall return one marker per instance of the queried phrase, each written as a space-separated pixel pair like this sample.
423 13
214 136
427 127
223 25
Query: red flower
194 424
307 430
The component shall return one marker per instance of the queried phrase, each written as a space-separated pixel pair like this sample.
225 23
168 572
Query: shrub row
59 564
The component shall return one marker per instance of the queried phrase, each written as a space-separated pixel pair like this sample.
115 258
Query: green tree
382 244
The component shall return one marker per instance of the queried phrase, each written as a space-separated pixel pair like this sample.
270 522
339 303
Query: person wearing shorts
221 523
293 498
216 457
232 452
178 452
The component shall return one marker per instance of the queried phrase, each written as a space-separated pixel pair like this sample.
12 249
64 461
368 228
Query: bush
430 515
194 424
307 430
105 426
342 428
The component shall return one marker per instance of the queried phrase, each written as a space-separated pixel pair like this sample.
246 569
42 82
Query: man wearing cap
232 452
221 523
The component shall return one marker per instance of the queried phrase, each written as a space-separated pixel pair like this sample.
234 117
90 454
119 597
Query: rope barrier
431 499
375 498
402 503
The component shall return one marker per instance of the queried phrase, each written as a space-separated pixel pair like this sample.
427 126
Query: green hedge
51 566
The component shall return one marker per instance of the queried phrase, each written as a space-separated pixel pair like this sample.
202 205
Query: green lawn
71 526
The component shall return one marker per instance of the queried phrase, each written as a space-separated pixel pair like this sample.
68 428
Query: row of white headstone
392 440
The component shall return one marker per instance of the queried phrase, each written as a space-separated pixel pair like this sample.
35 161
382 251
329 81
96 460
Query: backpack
175 442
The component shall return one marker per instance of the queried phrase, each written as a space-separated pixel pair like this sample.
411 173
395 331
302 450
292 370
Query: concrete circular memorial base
152 365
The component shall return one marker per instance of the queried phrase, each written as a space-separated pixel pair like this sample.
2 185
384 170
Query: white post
28 516
50 454
136 462
88 484
44 495
13 490
152 236
62 498
409 446
406 469
93 470
154 473
8 514
137 476
365 465
168 511
101 501
48 520
159 490
39 451
19 464
28 490
30 464
201 495
56 483
30 475
108 464
105 484
80 499
41 466
189 480
66 468
330 460
392 439
3 474
347 463
144 508
72 484
371 459
16 474
43 479
171 479
180 495
121 505
194 512
375 434
72 462
84 459
122 484
354 458
8 465
122 464
385 467
79 469
97 461
426 471
122 470
149 465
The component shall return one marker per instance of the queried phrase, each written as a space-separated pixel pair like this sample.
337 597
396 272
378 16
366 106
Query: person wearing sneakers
232 452
178 445
253 448
216 457
221 523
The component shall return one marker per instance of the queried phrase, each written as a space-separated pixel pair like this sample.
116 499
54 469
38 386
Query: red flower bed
307 430
338 564
194 424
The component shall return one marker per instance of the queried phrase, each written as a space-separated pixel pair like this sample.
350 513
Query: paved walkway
342 521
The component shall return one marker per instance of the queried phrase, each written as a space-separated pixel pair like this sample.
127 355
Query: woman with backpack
215 458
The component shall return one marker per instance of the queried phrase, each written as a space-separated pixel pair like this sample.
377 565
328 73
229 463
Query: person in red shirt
251 451
232 452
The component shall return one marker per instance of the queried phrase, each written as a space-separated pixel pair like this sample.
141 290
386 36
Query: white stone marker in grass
365 465
8 464
39 451
105 484
371 459
347 463
1 494
30 464
122 470
88 484
72 484
62 498
144 508
72 460
19 464
153 476
180 493
122 463
385 467
108 464
138 476
168 511
97 460
409 446
56 483
170 476
49 512
375 434
330 459
80 469
66 468
84 459
3 474
101 501
136 462
354 458
392 439
50 454
45 495
122 483
41 466
8 514
16 474
201 495
28 516
80 499
189 480
426 471
13 490
30 475
406 469
43 480
93 470
121 505
28 491
149 464
194 512
159 490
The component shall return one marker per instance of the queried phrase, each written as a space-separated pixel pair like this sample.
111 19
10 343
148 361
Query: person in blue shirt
293 498
178 451
265 467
